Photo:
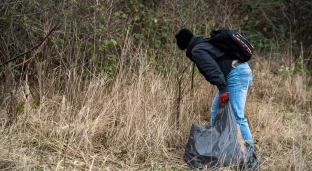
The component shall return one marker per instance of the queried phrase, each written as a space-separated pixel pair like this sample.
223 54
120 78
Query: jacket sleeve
209 68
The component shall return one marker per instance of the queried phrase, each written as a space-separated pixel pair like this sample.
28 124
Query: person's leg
214 107
238 82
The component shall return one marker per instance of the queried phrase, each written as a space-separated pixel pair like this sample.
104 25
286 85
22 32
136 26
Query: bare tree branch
33 48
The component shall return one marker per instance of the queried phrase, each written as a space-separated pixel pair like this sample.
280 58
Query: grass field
137 122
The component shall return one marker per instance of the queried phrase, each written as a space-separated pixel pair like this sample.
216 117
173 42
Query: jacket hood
194 41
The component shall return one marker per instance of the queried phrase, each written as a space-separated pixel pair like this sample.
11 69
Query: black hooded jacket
210 61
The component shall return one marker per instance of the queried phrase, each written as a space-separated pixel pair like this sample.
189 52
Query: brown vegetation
109 89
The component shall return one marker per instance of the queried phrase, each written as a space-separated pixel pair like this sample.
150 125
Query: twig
193 70
181 91
33 48
179 80
2 48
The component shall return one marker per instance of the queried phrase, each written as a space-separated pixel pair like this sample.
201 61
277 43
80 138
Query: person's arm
209 68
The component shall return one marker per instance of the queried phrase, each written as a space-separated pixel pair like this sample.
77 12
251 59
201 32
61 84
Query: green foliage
285 71
25 20
33 104
20 107
299 68
60 41
120 15
15 70
110 66
38 168
62 83
146 25
4 20
109 42
92 35
88 72
261 29
129 83
256 37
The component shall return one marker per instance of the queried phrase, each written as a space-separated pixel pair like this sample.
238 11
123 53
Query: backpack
233 43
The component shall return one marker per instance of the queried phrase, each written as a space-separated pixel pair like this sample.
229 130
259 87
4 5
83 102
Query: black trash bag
219 144
250 161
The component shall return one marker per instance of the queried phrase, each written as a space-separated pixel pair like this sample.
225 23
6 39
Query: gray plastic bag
219 144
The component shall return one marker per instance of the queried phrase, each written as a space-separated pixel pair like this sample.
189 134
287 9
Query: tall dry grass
140 120
137 121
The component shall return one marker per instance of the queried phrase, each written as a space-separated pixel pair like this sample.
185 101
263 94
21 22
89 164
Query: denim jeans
238 81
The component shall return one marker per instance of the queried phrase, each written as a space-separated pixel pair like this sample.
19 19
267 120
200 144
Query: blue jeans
238 81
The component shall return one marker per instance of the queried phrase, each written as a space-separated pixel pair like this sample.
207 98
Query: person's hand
223 97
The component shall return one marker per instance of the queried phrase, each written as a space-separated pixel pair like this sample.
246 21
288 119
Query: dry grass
136 122
131 123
